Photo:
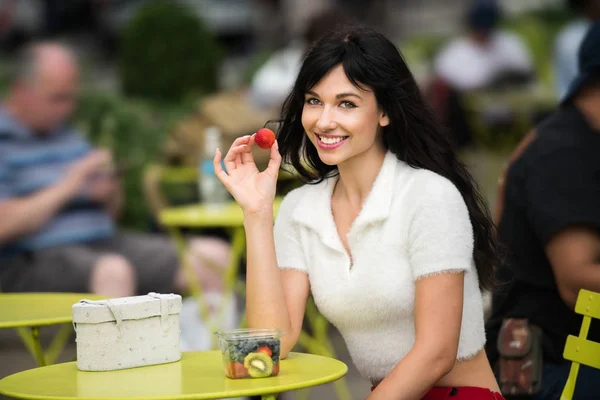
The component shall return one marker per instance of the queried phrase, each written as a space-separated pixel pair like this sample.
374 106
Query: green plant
133 132
167 54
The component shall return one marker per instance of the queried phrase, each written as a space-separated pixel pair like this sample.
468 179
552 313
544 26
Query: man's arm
21 216
24 215
563 192
575 257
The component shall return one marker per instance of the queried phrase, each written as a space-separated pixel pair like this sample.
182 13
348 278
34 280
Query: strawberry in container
250 353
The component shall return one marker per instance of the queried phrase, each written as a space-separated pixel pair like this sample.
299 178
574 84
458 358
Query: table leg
190 274
237 250
31 338
58 343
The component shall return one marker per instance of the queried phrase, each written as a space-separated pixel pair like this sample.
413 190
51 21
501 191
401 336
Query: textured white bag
127 332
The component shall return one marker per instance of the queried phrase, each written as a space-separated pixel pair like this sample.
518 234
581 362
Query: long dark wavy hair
414 135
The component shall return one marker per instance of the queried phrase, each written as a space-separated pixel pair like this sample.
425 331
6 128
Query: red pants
461 393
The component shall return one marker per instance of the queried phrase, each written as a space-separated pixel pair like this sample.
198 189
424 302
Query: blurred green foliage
167 54
134 131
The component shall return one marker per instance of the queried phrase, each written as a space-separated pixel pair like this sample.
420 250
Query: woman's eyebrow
347 94
338 96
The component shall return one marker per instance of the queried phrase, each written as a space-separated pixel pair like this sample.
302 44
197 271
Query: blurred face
481 38
49 98
341 120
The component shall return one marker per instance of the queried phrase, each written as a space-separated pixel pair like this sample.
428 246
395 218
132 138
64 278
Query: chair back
578 349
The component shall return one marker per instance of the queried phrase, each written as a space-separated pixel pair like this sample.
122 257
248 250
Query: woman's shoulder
422 183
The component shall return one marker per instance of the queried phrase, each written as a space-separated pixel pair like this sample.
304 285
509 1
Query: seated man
550 226
486 55
484 58
59 196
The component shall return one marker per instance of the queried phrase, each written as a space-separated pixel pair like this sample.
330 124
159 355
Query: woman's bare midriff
475 371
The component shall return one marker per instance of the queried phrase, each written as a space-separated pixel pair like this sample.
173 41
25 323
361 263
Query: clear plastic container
250 353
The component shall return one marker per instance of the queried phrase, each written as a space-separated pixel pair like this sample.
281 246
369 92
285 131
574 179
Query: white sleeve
514 54
461 66
288 247
440 234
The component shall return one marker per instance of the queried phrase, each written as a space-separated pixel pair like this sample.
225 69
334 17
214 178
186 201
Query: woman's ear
383 119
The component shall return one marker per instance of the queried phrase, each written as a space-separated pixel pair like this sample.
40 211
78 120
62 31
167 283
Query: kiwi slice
259 365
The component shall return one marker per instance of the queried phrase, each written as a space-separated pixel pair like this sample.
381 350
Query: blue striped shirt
30 163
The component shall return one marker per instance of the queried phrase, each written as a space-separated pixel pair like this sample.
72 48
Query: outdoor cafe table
198 375
27 312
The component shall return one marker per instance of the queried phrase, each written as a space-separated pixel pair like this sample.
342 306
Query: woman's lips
330 142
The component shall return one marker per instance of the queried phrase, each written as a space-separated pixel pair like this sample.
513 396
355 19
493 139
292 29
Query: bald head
44 60
44 85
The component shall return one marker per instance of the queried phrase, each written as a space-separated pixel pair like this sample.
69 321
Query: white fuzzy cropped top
413 223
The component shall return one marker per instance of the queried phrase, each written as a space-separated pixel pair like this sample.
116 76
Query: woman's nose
326 121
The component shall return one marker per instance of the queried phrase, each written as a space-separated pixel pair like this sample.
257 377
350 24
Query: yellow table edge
230 215
35 322
233 394
67 319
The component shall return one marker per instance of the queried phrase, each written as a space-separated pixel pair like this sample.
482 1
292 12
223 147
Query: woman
391 237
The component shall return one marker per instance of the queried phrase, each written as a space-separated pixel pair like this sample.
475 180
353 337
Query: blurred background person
550 225
485 57
569 39
59 197
274 80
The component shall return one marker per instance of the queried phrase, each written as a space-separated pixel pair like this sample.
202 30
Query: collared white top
413 223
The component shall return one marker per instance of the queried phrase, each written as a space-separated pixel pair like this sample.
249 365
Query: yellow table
27 312
199 375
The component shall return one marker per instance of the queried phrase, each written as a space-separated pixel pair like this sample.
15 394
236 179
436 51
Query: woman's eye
312 101
347 104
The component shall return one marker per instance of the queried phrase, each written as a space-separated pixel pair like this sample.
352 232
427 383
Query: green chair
578 349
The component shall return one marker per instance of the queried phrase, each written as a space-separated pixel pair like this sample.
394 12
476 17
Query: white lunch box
127 332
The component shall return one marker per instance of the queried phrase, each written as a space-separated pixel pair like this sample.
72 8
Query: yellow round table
199 375
27 312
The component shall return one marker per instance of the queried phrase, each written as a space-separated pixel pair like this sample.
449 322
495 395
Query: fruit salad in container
250 353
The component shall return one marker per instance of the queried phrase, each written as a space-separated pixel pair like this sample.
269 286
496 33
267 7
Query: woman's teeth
331 140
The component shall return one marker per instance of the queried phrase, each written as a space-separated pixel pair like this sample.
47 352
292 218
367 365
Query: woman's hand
253 190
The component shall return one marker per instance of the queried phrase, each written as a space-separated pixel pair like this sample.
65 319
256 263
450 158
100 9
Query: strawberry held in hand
264 138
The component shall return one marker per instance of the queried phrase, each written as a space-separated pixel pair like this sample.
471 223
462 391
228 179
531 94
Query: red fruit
239 371
275 369
264 138
266 350
230 369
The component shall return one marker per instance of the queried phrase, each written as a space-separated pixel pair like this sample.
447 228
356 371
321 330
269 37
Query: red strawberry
239 371
266 350
275 369
264 138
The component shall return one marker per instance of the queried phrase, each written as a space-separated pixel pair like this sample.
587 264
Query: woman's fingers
223 177
274 160
247 157
233 159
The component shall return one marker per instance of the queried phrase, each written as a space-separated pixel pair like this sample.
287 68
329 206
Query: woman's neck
358 175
